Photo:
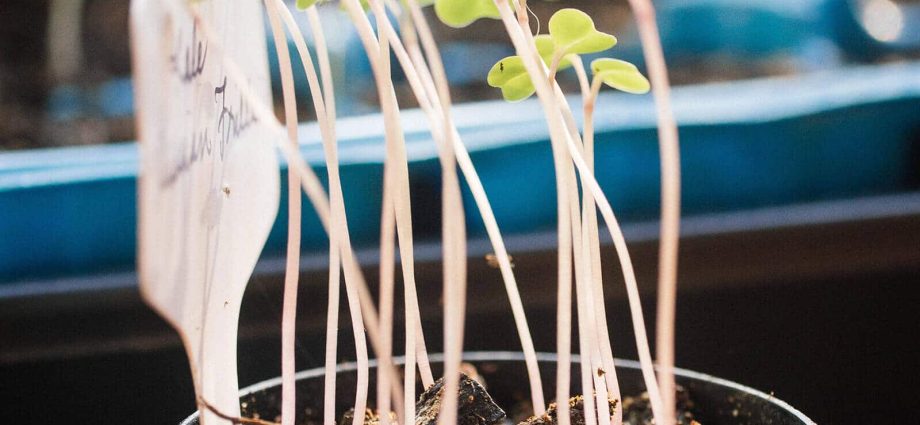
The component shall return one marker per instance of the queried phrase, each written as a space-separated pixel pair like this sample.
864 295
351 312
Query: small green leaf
547 48
460 13
510 75
620 75
367 6
573 32
305 4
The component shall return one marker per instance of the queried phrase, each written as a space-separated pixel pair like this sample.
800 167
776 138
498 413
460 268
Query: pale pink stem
292 266
584 349
453 228
670 201
563 350
322 57
591 230
332 332
387 291
387 270
590 357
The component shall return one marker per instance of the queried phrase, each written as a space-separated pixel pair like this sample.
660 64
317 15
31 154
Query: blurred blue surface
801 35
827 135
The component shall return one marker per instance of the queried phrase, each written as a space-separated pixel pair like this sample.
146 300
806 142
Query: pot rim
481 356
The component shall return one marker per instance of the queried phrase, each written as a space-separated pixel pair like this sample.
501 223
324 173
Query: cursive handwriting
231 122
193 57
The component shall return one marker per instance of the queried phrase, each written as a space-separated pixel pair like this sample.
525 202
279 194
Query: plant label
208 187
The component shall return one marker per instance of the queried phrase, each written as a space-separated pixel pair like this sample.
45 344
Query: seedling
573 32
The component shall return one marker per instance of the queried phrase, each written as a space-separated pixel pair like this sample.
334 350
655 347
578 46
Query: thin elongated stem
322 56
551 104
387 264
670 201
589 214
453 226
387 298
292 266
590 355
332 332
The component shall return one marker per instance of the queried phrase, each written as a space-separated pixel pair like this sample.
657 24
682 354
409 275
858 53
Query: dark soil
576 413
477 408
637 411
370 417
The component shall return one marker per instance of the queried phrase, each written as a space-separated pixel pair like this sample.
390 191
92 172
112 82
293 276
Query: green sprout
367 6
620 75
510 75
460 13
571 32
305 4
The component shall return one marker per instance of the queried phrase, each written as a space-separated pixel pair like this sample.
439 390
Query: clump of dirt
475 406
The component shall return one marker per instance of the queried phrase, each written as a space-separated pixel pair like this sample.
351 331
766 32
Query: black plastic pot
717 401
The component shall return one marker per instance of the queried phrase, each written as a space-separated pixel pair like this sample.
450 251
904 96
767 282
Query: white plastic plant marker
208 188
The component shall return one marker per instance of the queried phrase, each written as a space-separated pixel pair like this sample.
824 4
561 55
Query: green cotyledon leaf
305 4
546 47
510 75
460 13
574 32
620 75
367 6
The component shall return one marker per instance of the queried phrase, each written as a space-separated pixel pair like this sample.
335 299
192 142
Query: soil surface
637 411
576 413
477 408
